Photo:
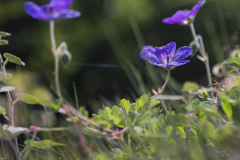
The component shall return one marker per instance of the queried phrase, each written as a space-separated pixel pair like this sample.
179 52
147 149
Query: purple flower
56 9
166 56
184 17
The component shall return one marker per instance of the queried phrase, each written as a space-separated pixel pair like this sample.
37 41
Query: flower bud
202 93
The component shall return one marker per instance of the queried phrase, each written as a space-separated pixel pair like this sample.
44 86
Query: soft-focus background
103 44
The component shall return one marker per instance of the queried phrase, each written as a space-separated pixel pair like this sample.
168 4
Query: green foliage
3 42
29 99
233 62
8 76
2 110
190 86
42 145
13 59
4 34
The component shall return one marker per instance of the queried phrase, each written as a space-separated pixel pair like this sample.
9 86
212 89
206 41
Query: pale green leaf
13 59
29 99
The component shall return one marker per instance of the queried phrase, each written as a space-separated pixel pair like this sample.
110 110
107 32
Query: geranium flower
166 56
184 17
56 9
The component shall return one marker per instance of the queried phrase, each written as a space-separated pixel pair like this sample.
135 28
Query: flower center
168 58
48 9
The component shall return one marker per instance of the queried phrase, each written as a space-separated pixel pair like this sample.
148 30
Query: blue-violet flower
166 56
184 17
56 9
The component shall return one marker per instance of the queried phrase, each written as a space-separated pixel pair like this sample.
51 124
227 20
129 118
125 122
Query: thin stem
163 87
165 84
56 60
202 52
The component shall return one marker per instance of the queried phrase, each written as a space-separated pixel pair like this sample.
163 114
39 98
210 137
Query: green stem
163 87
56 60
202 52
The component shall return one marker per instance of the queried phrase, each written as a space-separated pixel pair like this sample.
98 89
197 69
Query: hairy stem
56 60
163 87
202 52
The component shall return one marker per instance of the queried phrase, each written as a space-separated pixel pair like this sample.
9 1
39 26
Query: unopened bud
202 93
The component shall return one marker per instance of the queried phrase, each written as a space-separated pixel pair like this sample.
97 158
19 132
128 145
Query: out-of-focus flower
219 70
56 9
184 17
32 128
166 56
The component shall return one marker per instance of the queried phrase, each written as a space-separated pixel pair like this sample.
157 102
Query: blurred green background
103 43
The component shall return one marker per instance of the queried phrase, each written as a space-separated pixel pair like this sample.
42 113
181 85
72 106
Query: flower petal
176 64
60 5
166 52
195 9
182 53
35 11
179 17
69 14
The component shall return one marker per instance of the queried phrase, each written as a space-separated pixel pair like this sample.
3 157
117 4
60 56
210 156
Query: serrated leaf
233 62
143 103
3 42
11 131
125 105
13 59
7 88
42 145
2 110
29 99
4 34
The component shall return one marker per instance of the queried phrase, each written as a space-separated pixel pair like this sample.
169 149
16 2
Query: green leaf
190 86
11 131
2 110
29 99
225 104
4 34
3 42
8 76
233 62
102 114
13 59
143 103
233 71
125 105
42 145
7 88
55 106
